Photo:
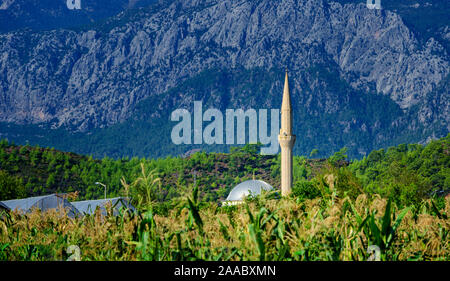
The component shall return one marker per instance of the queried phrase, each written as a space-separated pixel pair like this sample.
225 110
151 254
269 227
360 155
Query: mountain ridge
96 78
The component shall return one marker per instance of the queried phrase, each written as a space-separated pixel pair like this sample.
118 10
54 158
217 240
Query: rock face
51 14
96 76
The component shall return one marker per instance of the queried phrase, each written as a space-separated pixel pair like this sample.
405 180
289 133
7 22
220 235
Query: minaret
286 140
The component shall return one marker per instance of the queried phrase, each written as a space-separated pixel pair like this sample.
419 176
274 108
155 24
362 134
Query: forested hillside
36 171
405 173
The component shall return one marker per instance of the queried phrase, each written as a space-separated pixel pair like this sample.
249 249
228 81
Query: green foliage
145 189
382 233
11 187
255 228
252 149
305 190
347 184
281 230
338 157
194 215
149 243
314 152
406 173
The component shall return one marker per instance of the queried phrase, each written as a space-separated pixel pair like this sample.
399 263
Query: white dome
245 188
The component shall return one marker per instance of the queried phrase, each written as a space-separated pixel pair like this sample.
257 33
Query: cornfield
262 228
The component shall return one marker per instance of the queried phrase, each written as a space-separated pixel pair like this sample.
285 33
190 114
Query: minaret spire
286 107
286 94
286 140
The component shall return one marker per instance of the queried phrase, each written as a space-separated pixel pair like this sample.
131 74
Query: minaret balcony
286 140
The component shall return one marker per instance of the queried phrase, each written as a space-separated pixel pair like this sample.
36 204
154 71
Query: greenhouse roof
44 203
3 206
89 206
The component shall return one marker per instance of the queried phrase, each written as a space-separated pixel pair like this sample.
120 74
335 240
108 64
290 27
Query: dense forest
405 173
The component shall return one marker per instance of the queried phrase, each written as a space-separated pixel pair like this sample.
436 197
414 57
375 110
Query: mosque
286 140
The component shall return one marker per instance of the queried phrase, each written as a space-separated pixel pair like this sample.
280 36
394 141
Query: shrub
305 190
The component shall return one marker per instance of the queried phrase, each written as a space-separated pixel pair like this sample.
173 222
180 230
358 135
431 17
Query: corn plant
383 233
145 189
149 243
194 215
263 229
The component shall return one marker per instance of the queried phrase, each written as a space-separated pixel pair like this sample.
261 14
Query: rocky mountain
51 14
360 77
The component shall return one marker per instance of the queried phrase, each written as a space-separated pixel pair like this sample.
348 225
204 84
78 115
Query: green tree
50 180
313 153
11 187
338 157
4 143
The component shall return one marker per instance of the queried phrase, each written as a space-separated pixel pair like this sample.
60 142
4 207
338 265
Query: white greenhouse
89 206
44 203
